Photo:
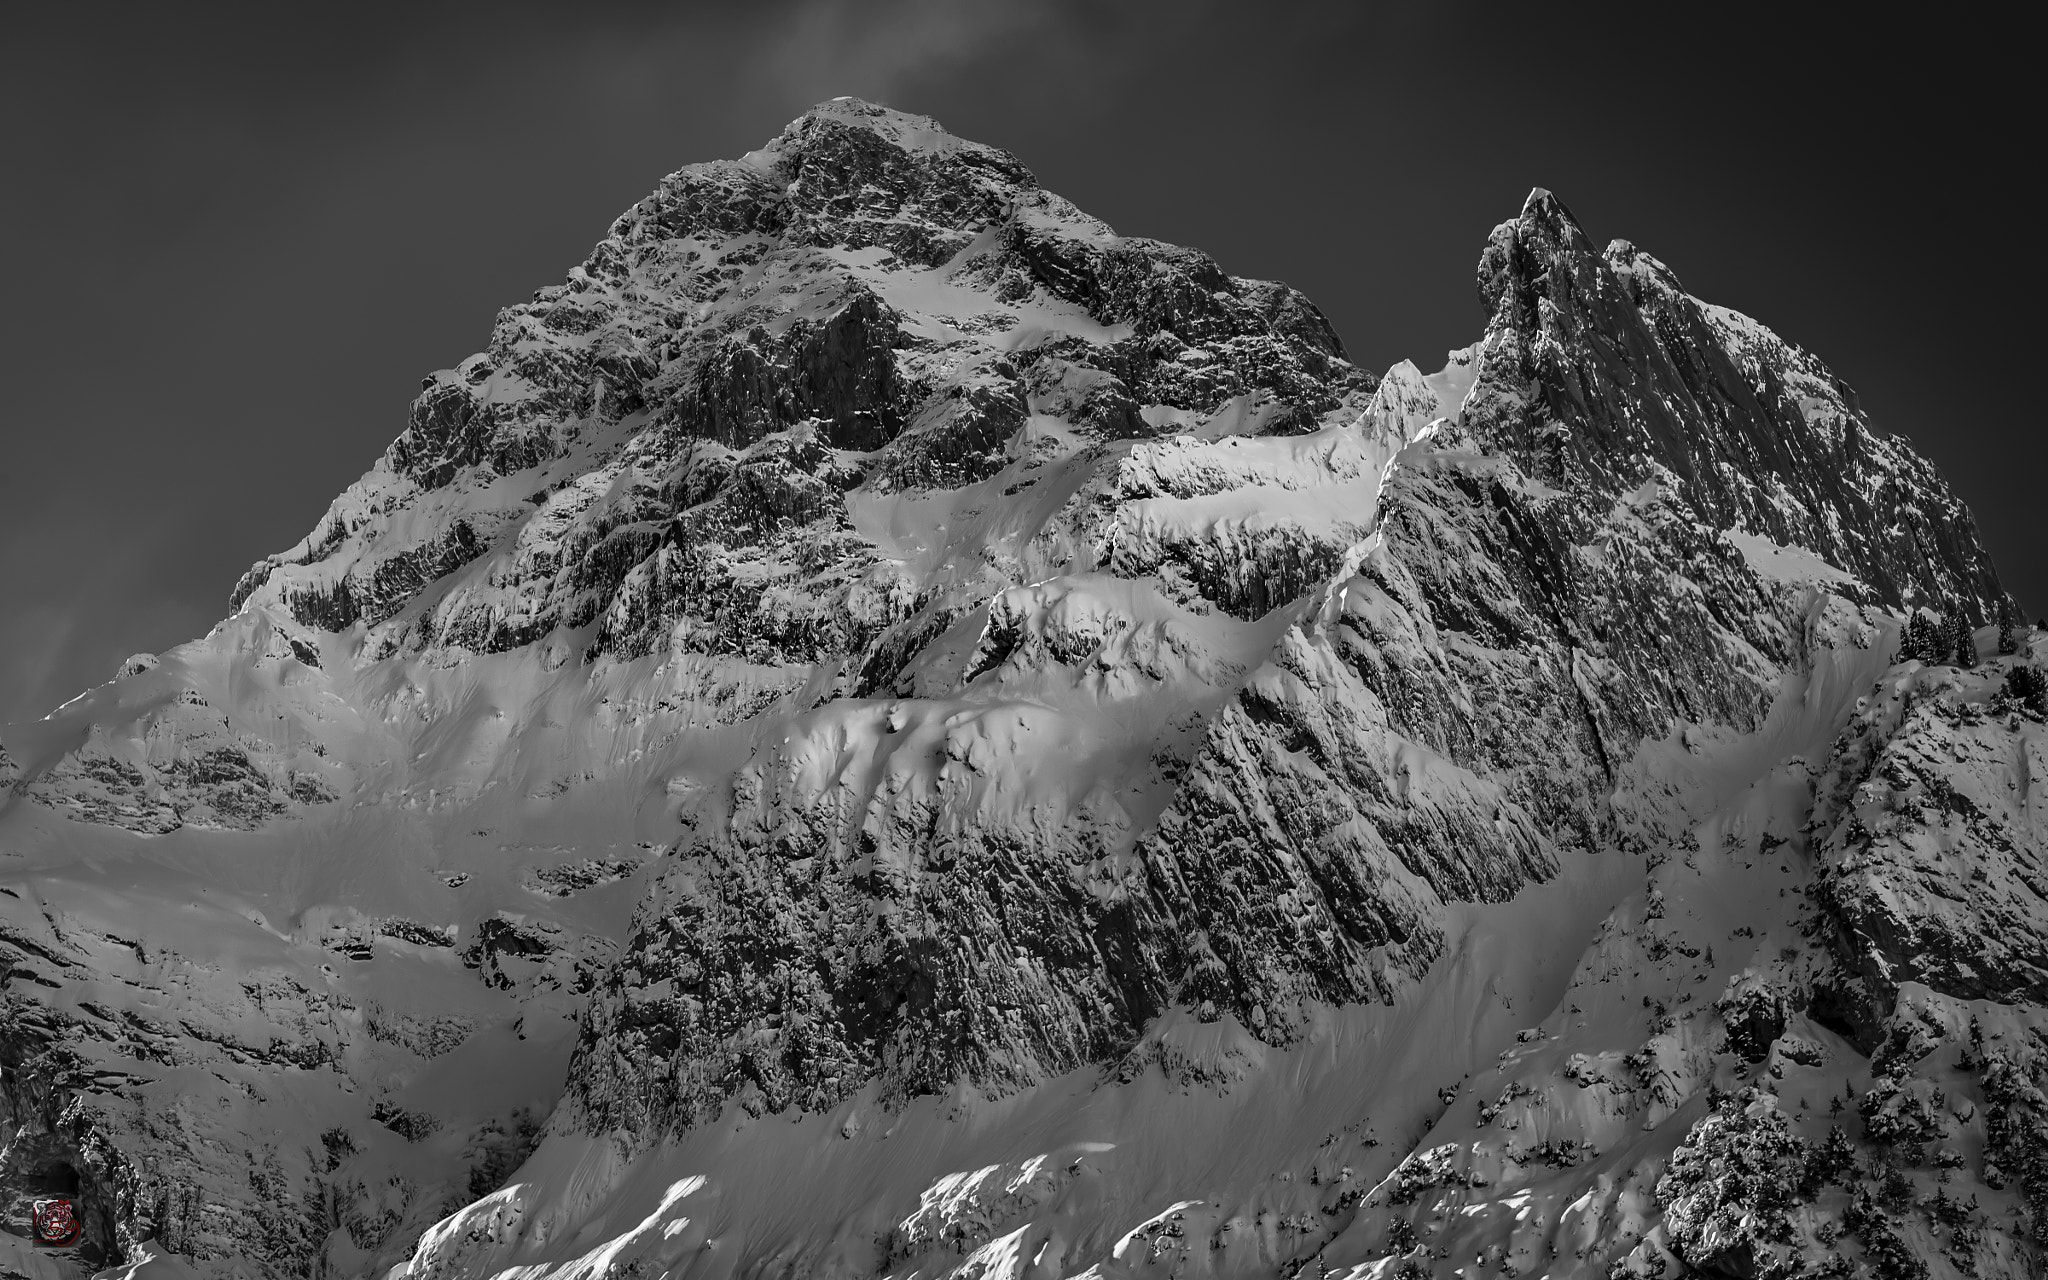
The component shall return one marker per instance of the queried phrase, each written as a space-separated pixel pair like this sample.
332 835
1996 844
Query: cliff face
866 306
1610 375
880 649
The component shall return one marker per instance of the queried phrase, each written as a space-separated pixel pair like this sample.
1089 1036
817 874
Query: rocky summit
885 729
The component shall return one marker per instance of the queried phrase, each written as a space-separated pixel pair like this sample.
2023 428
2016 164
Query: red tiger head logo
56 1223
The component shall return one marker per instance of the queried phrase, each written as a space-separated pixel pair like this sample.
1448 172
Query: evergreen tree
1963 640
1923 639
1832 1161
2027 685
2007 642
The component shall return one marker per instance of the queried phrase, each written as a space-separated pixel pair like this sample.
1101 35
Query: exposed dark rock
1602 372
1932 870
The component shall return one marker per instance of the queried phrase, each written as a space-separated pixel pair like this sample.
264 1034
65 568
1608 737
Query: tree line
1950 638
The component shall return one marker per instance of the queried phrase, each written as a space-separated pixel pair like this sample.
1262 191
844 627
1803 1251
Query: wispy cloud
71 640
873 50
35 645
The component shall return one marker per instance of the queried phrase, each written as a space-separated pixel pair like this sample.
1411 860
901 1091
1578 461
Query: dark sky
236 239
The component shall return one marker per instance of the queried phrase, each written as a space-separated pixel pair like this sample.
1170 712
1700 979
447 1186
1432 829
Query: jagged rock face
216 1100
49 1151
1449 713
666 443
1609 374
1935 834
140 1181
957 645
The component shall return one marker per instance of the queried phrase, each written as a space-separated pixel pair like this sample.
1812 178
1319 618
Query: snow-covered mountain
886 729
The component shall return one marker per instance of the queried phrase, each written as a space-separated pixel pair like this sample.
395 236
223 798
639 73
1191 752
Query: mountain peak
833 123
1542 204
1641 273
1635 379
1544 234
901 128
873 642
868 115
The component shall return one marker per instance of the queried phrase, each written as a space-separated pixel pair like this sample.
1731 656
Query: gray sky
236 238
